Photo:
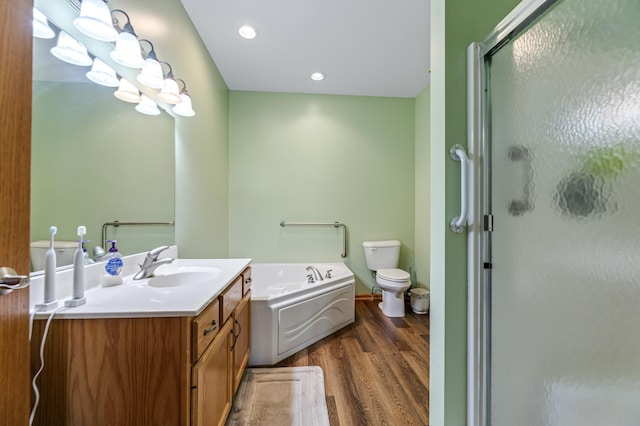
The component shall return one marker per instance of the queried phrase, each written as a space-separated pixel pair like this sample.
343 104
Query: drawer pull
213 327
235 336
248 280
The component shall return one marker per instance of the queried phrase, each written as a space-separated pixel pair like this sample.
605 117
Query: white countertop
136 298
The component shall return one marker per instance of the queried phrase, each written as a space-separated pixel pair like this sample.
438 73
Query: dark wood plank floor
376 370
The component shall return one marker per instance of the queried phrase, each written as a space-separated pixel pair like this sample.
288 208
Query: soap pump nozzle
113 248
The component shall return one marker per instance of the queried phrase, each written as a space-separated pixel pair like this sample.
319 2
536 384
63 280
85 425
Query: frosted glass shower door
564 183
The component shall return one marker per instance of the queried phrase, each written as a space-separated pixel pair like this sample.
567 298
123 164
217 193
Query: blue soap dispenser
113 266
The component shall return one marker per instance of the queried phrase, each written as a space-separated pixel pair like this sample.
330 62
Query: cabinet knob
214 325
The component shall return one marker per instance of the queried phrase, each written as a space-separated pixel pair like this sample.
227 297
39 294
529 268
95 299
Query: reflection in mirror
95 159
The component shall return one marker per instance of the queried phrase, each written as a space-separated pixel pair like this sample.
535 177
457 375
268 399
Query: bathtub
288 313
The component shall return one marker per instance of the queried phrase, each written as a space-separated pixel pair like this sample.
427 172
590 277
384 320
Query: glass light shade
151 75
248 32
95 21
127 51
170 92
184 108
70 50
41 28
147 106
127 92
103 74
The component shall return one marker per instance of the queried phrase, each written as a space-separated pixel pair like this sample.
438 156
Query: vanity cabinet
145 371
211 381
241 339
217 372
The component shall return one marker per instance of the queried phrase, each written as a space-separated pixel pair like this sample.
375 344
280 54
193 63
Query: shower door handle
524 204
458 153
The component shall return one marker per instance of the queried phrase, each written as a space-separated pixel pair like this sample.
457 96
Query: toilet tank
64 253
381 254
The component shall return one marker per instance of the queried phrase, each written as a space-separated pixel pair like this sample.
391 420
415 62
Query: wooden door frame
15 169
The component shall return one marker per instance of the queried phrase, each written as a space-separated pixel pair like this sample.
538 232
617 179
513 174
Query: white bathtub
288 313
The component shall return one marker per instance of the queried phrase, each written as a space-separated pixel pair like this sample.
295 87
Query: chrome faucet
151 262
316 273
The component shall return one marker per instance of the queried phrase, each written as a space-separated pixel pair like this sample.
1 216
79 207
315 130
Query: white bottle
112 267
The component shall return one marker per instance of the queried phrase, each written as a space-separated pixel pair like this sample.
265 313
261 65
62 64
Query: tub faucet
316 273
151 262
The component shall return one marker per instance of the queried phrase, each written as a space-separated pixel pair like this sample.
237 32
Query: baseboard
372 297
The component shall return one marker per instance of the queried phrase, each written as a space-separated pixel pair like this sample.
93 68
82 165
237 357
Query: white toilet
382 257
64 253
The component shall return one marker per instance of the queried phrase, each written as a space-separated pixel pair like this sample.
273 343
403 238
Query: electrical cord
35 377
31 317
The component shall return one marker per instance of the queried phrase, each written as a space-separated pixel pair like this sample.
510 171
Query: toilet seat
393 275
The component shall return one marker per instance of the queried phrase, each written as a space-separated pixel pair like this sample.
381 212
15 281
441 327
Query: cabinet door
211 381
242 338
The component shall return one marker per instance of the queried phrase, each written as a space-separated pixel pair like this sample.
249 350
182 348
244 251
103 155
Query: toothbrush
50 301
78 273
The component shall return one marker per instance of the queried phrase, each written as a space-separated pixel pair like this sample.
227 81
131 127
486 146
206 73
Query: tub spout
316 273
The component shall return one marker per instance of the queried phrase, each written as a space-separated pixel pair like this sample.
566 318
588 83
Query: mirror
95 159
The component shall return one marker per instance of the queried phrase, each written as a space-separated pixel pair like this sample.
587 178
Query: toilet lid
393 274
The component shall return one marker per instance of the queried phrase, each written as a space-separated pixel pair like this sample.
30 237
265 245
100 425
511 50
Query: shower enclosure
554 226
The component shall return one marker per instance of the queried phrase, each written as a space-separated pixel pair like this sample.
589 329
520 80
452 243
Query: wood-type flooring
376 370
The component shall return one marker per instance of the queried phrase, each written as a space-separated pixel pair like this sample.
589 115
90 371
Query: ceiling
365 47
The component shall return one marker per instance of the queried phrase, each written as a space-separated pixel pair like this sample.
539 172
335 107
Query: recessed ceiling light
317 76
248 32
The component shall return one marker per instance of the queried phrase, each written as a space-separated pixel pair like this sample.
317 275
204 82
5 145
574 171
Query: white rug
288 396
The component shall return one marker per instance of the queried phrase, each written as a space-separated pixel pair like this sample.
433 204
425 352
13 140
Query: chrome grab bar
458 153
118 223
334 224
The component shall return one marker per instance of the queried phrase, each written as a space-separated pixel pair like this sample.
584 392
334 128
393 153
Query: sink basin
183 276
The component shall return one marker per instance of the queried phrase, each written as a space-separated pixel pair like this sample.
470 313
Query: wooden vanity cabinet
217 373
241 339
212 394
145 371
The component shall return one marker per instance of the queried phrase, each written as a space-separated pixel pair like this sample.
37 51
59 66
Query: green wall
320 158
454 25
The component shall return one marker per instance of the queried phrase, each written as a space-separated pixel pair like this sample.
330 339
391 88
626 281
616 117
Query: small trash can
419 300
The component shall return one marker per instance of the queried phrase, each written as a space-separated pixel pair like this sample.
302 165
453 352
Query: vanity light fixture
317 76
102 74
151 75
170 92
127 92
70 50
248 32
147 106
127 51
41 28
184 108
95 21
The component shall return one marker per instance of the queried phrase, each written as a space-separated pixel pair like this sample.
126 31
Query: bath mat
285 396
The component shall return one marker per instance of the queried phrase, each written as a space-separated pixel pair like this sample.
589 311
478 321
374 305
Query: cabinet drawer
230 298
205 327
246 280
